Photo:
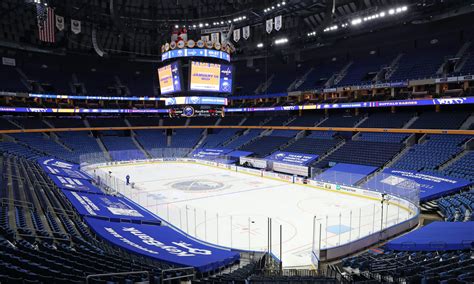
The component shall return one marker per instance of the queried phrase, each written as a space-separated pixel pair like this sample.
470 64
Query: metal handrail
16 202
177 277
117 274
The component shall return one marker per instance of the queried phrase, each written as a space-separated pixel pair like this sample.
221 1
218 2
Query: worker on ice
128 179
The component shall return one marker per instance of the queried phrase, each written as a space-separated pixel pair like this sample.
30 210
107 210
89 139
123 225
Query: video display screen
210 77
170 79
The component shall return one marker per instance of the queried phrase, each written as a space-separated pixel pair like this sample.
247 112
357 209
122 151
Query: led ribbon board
377 104
103 98
195 52
196 101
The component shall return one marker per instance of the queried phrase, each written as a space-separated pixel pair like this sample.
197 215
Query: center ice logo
198 185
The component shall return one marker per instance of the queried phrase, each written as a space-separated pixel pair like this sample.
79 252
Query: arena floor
231 209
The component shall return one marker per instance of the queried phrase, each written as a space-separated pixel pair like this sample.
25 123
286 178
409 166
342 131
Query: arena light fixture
271 8
382 14
331 28
357 21
281 41
228 21
260 45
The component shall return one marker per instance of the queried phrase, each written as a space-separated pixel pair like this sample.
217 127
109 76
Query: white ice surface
231 209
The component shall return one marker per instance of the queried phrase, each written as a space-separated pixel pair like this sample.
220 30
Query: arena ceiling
153 20
313 13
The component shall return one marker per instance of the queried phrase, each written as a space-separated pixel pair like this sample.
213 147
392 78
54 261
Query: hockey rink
231 208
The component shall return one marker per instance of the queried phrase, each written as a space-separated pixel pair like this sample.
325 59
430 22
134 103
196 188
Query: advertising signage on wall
292 158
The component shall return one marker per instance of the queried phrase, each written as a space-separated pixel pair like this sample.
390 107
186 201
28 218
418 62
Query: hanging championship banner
236 35
246 32
75 26
225 37
269 25
278 22
60 22
214 37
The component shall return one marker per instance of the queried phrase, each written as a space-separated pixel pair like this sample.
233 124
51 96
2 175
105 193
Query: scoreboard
210 77
169 77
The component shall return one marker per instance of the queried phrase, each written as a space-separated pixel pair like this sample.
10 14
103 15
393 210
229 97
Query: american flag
46 23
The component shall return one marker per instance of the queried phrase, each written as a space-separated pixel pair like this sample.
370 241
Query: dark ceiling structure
140 27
